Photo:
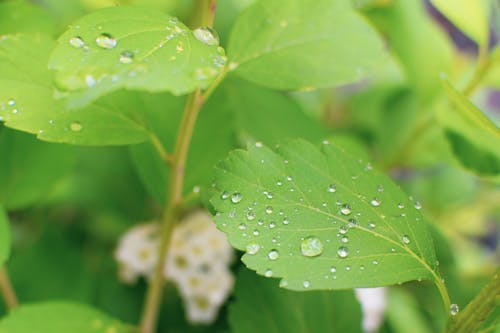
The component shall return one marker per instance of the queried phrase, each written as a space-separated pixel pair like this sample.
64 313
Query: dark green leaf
320 219
60 317
261 306
4 236
133 48
303 44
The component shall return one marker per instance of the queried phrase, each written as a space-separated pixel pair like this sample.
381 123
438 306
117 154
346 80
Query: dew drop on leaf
224 195
332 188
236 197
273 254
268 273
343 229
306 284
106 41
206 35
333 269
250 215
75 126
77 42
418 205
126 57
375 202
454 309
405 239
343 252
242 226
269 209
11 102
311 247
344 239
253 248
345 210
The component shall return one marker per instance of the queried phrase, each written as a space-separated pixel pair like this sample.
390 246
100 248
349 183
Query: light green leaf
474 139
261 306
60 317
471 17
4 236
29 169
320 218
422 48
27 101
133 48
303 44
22 16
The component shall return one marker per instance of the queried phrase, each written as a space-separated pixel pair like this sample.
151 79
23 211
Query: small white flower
200 310
373 304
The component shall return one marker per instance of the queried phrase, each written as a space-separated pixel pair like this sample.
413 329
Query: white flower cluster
373 304
197 262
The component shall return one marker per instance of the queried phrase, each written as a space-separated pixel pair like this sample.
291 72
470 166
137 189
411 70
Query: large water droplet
253 248
405 239
345 210
106 41
343 252
311 247
236 197
75 126
332 188
206 35
77 42
273 254
454 309
126 57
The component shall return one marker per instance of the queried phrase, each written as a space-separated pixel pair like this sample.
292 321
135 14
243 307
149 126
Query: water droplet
306 284
126 57
454 309
106 41
279 183
347 268
242 226
372 225
333 269
375 262
380 188
11 102
288 177
253 248
256 232
236 197
268 273
269 210
77 42
283 283
344 239
345 210
343 252
401 205
273 254
268 195
375 202
332 188
224 195
206 35
352 223
343 229
250 215
418 205
405 239
75 126
260 222
272 225
311 247
286 221
259 144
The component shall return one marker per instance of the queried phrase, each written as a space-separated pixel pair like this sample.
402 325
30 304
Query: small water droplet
269 210
126 57
345 210
288 177
11 102
268 273
333 269
224 195
250 215
283 283
454 309
352 223
75 126
344 239
306 284
380 188
273 254
332 188
236 197
418 205
375 262
347 268
253 248
401 205
206 35
311 247
343 252
375 202
343 229
242 226
405 239
256 232
106 41
77 42
272 225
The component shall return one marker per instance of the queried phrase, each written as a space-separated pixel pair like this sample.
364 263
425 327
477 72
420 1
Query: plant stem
7 291
483 64
478 310
173 205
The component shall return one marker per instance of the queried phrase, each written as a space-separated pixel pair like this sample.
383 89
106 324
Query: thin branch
6 290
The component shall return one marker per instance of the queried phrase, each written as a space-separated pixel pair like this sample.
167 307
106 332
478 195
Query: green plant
341 107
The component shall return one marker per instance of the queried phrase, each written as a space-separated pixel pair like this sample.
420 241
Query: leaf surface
4 236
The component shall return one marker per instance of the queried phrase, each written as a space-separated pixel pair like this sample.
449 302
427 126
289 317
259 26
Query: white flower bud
373 304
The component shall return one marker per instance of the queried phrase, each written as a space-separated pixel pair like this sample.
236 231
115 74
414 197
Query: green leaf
303 44
421 47
29 169
261 306
471 17
320 218
403 314
133 48
473 137
4 236
21 16
27 101
60 317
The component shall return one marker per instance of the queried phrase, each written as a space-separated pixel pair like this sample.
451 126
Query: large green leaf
27 101
422 48
474 139
4 236
60 317
29 169
134 48
261 306
320 218
21 16
303 44
471 17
